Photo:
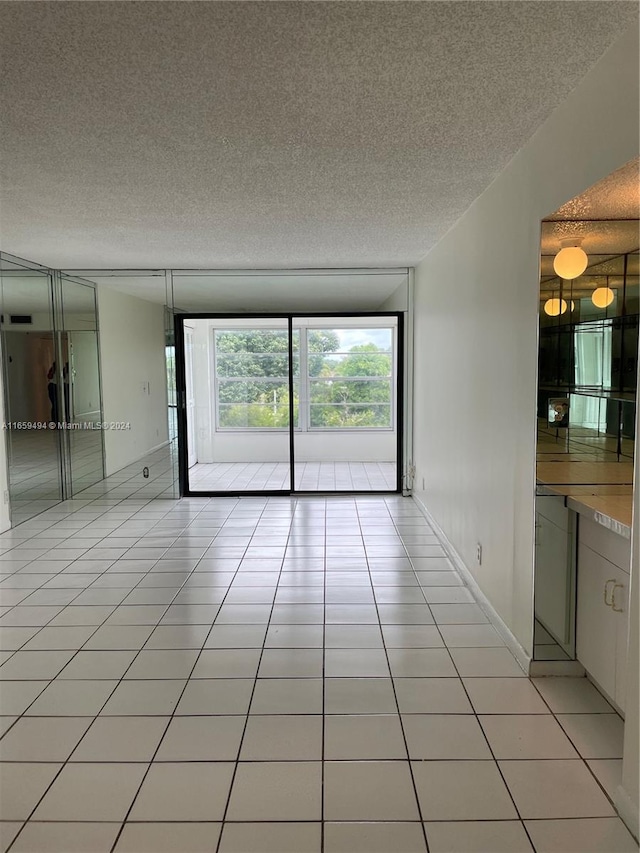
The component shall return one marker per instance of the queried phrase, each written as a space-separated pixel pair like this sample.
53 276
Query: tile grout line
66 762
172 714
188 521
393 687
223 819
101 624
478 723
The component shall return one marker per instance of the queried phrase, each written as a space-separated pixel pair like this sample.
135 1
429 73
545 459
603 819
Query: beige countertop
585 473
602 490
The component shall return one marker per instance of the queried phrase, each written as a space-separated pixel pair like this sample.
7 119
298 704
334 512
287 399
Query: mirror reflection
588 352
33 379
52 387
81 384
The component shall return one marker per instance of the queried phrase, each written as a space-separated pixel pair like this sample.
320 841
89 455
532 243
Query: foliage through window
344 378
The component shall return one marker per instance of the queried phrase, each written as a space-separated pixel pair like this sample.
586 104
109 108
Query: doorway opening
289 403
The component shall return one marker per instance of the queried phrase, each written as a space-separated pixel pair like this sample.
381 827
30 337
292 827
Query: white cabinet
602 621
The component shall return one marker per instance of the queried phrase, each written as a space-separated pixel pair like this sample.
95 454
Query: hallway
306 675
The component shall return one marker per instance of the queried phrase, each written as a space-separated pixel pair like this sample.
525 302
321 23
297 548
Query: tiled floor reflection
34 472
256 675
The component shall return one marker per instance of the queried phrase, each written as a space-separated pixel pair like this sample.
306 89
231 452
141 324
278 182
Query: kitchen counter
601 490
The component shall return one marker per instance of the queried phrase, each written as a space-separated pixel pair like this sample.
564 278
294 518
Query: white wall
399 299
338 446
628 794
134 387
476 304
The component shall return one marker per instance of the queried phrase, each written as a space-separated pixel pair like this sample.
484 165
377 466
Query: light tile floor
256 675
309 476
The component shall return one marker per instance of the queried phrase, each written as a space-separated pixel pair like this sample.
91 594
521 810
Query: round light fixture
570 262
602 297
555 307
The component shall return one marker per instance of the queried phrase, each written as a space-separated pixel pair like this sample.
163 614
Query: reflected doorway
289 404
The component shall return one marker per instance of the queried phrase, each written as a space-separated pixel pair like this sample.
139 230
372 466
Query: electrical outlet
145 472
479 554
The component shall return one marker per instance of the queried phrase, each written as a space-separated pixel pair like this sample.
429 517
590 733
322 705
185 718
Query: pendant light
602 297
554 307
571 261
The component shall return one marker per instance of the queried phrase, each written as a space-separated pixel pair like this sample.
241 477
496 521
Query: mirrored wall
52 395
84 346
80 360
587 377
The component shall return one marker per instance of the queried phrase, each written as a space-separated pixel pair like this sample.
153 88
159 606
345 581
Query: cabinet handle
608 603
613 597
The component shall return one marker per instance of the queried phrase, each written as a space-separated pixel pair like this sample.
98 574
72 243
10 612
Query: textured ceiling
606 237
617 196
216 134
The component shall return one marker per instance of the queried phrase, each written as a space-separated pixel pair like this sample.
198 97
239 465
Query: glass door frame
179 321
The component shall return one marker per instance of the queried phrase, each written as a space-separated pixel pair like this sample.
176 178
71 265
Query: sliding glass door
236 404
289 404
347 440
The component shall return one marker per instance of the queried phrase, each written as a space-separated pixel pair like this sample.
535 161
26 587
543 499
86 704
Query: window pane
256 415
350 374
263 391
350 416
254 340
350 391
256 364
359 363
349 340
252 367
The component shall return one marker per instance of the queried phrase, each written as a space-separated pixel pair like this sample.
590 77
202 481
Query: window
252 376
346 377
350 376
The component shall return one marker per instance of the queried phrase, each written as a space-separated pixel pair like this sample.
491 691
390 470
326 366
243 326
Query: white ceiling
280 134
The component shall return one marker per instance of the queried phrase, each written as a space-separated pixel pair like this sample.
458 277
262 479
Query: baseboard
556 667
628 811
86 417
485 605
140 458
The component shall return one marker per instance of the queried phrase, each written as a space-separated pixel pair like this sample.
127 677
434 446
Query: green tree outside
347 390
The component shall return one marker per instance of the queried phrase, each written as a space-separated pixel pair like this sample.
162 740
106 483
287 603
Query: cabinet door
597 623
